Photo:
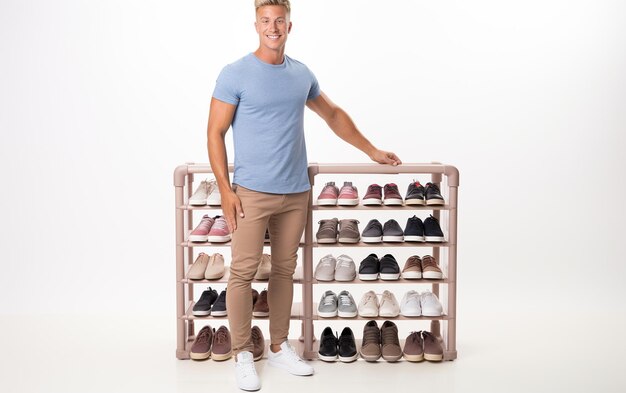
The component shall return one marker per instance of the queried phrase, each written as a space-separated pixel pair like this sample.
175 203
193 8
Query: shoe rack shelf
306 311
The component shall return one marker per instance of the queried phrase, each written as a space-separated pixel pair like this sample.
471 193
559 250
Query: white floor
503 353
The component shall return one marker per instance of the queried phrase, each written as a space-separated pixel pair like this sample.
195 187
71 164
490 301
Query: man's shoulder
239 64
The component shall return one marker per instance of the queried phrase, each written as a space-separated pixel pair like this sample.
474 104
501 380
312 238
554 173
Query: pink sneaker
219 231
348 196
328 196
201 233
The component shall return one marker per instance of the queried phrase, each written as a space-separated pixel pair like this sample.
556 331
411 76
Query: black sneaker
347 346
373 232
415 194
433 195
328 346
219 308
432 230
392 232
203 307
369 268
414 231
389 268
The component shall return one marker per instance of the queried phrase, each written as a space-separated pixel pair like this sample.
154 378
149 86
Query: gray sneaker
373 232
349 231
328 305
327 233
325 269
392 232
345 269
346 305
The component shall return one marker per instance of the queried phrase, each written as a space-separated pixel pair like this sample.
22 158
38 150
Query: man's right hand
231 206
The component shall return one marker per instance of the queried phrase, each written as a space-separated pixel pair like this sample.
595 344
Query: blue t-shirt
268 126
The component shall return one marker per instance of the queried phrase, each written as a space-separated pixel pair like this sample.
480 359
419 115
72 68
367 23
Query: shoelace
211 186
329 299
413 261
328 224
347 189
372 224
248 367
203 337
345 300
206 222
344 263
221 336
291 353
329 188
434 187
345 339
428 261
388 297
390 335
370 298
374 188
326 261
413 297
220 223
255 335
391 188
371 335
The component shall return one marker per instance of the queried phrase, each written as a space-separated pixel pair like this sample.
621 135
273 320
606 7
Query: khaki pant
285 216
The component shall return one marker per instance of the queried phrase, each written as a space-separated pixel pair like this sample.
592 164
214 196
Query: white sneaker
214 198
368 306
389 306
431 307
201 194
345 269
288 360
325 269
411 304
245 372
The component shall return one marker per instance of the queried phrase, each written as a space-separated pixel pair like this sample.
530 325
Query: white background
100 101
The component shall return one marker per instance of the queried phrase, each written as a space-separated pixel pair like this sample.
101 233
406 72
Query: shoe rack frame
183 184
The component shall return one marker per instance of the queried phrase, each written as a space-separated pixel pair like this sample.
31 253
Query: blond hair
285 3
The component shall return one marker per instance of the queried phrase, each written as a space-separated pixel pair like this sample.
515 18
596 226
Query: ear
289 28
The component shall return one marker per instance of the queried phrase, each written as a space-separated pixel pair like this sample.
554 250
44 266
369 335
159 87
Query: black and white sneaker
432 230
415 194
373 232
219 308
392 232
347 346
203 307
328 346
369 268
389 268
433 195
414 230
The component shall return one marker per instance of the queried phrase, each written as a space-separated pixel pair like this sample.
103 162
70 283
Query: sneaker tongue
347 184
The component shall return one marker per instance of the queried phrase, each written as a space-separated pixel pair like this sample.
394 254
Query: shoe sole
412 275
216 276
412 238
343 314
345 279
389 276
197 203
201 313
434 238
372 202
370 358
263 277
327 241
219 239
327 358
347 202
368 277
325 279
420 202
260 313
372 239
392 359
286 368
433 275
200 356
326 314
413 358
220 313
393 202
326 202
386 315
348 359
196 277
396 239
219 357
431 202
198 238
431 314
349 240
368 315
433 358
411 315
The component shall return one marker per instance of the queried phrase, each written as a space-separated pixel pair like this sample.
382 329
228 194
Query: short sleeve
226 87
314 91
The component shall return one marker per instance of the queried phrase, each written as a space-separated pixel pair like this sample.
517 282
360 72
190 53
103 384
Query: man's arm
341 124
220 118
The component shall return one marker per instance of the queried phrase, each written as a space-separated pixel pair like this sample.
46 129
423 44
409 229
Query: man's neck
270 56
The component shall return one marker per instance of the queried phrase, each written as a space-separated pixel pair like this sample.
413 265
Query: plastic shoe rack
444 252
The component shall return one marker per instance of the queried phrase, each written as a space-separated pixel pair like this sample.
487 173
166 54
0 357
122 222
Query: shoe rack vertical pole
179 182
307 287
452 174
436 179
190 179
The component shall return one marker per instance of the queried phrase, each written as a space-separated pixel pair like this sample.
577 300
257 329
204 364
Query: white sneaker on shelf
245 372
325 269
389 306
214 198
345 269
288 360
431 307
368 306
199 197
411 304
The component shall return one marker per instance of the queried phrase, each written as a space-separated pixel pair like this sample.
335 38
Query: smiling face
273 25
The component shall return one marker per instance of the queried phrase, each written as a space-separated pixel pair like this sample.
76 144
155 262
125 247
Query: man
263 96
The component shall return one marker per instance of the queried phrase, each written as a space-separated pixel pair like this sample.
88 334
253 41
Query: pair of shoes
332 305
374 195
264 268
415 304
212 229
212 304
332 196
212 343
422 345
260 307
330 268
207 193
427 231
331 230
371 268
375 232
416 268
333 347
383 342
417 194
370 307
207 267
